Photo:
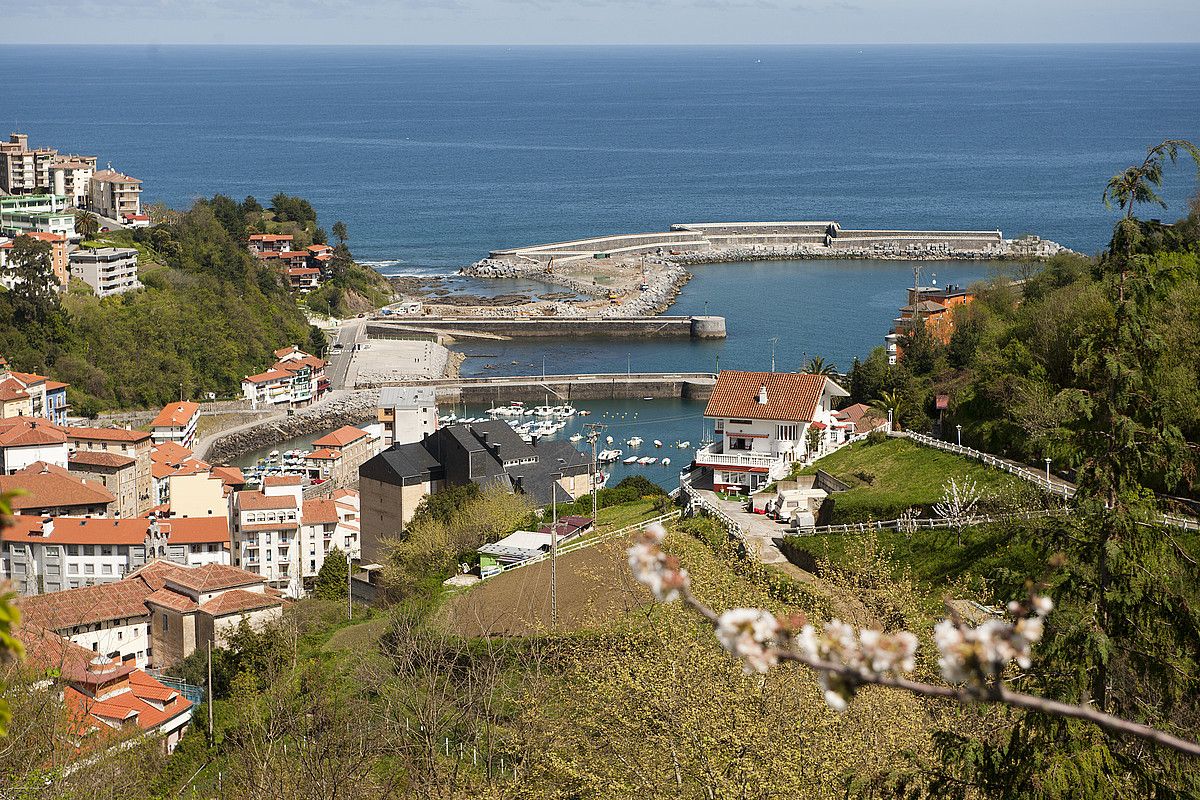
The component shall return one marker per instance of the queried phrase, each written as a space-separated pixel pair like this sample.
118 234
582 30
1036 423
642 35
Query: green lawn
619 516
889 477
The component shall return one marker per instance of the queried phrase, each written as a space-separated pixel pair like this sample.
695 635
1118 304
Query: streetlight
1047 460
959 429
349 588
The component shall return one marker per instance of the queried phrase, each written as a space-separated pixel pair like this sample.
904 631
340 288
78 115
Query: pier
697 327
569 388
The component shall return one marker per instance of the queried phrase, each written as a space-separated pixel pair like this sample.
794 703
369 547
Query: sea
433 156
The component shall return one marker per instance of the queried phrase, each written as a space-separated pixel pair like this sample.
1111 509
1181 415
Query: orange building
933 308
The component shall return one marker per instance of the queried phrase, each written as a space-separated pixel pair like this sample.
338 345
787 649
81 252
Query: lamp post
1047 460
349 589
554 551
959 429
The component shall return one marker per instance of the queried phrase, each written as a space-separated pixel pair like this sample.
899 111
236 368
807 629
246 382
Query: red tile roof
29 432
269 376
257 501
298 271
230 476
11 389
42 485
343 436
170 453
197 530
211 577
324 454
76 530
61 611
105 434
100 458
791 396
322 511
172 600
176 415
270 237
237 601
283 480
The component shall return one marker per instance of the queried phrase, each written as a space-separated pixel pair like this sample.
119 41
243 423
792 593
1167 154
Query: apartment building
407 413
174 466
46 398
108 270
120 442
269 243
265 530
114 195
327 523
72 178
341 452
58 259
39 213
295 379
176 423
159 614
303 279
52 554
22 170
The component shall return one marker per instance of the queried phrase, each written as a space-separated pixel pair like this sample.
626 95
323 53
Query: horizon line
510 45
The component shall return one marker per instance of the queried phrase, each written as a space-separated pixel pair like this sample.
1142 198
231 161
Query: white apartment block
327 523
266 530
108 270
72 178
51 554
176 423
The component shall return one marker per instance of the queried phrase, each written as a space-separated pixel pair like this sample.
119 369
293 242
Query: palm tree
889 402
86 225
1138 183
818 366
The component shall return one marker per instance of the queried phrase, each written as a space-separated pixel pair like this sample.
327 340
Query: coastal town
139 541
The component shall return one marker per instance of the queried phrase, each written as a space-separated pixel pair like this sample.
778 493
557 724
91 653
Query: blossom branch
972 660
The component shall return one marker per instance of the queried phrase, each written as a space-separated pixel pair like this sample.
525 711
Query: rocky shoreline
1032 248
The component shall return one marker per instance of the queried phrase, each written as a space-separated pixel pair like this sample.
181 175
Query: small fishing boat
585 413
575 437
608 456
543 411
644 460
684 445
666 462
608 440
634 441
657 443
630 460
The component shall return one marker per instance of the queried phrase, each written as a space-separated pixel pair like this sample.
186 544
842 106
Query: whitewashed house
761 422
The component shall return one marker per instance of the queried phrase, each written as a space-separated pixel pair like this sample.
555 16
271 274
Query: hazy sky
597 21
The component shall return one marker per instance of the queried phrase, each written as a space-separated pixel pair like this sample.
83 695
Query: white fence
588 541
1034 476
696 500
917 524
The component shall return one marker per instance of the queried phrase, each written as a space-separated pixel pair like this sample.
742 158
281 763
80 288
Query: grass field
889 477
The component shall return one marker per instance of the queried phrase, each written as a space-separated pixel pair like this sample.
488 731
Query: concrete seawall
569 388
700 327
727 241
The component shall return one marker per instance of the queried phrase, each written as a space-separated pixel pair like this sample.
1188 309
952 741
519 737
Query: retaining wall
642 327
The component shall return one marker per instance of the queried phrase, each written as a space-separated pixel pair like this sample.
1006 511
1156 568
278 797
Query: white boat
644 460
666 462
684 445
608 440
634 441
543 411
576 437
585 413
657 443
630 460
562 412
608 456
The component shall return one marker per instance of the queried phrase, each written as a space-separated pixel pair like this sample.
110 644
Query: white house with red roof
761 422
53 554
265 529
326 523
295 379
28 440
269 242
176 423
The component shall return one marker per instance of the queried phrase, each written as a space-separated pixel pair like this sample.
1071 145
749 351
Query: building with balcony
72 177
37 213
108 270
762 423
58 259
24 170
48 490
114 195
265 531
303 279
295 379
176 423
269 242
327 523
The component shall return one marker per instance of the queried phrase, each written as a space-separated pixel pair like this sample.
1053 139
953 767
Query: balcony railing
712 456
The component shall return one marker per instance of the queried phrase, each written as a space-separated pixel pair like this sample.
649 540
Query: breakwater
569 388
349 408
661 288
695 327
711 242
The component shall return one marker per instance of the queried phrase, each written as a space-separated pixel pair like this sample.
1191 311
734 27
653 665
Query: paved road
340 361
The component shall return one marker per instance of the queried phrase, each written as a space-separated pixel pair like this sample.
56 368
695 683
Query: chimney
47 526
762 395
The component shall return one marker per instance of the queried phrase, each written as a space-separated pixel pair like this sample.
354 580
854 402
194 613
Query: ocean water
433 156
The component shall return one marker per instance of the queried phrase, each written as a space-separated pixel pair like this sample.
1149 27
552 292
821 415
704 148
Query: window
89 569
123 550
737 443
785 432
106 569
89 550
72 549
106 550
73 569
165 623
120 635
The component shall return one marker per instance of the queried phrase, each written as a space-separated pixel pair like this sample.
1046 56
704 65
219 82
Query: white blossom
748 634
654 568
980 655
1042 605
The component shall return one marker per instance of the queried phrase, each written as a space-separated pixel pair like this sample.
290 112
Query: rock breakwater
342 408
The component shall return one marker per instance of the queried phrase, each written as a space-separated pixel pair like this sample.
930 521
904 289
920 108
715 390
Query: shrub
876 437
865 476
